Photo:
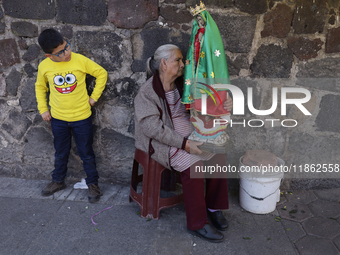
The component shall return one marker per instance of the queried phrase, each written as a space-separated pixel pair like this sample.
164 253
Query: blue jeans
83 135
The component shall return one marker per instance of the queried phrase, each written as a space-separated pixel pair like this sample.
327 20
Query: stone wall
268 44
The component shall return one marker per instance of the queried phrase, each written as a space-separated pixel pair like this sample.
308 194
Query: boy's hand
46 116
91 101
191 147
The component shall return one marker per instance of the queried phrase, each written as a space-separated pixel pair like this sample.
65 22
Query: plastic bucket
260 191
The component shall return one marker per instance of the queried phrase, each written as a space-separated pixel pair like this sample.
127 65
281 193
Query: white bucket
259 192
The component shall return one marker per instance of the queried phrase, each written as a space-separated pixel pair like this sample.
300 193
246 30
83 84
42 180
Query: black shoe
218 220
52 187
209 233
94 193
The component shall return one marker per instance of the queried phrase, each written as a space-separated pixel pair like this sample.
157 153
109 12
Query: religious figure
206 66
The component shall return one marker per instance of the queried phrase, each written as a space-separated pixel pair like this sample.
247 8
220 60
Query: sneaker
52 187
94 193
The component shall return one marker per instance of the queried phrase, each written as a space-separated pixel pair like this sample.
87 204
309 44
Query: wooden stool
149 201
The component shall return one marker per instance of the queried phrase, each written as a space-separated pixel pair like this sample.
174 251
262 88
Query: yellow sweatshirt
69 100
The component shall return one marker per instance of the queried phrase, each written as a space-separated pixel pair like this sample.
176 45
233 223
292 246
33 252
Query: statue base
219 145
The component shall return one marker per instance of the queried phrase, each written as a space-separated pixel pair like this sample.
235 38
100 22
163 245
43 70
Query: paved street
305 222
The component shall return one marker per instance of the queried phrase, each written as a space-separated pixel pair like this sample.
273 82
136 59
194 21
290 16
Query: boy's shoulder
79 56
44 64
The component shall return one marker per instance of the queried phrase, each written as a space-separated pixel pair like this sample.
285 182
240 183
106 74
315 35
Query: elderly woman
162 126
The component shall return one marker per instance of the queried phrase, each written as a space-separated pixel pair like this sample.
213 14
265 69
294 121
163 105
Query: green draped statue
205 66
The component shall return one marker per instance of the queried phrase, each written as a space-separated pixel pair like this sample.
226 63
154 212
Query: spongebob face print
65 84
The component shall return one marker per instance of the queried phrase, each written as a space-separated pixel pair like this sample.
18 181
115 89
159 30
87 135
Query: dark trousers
196 202
83 135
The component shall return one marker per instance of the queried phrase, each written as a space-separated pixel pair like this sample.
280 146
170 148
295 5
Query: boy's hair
49 39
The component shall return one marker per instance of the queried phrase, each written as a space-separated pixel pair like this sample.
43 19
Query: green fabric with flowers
212 64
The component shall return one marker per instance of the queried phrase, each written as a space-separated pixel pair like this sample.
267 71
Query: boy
65 73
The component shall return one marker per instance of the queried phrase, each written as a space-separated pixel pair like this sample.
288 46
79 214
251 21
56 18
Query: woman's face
175 65
200 21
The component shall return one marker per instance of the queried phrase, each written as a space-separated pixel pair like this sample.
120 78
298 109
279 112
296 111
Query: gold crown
197 9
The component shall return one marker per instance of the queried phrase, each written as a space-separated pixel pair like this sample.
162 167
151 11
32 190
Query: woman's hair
153 63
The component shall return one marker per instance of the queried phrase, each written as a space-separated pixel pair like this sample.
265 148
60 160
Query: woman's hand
191 147
228 104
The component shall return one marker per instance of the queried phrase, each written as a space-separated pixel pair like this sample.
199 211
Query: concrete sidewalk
305 222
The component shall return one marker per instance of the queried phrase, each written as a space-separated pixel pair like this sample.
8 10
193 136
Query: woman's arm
148 116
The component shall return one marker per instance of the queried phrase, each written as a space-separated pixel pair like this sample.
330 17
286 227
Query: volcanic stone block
124 89
252 7
332 20
298 184
32 53
327 119
173 24
102 47
13 82
323 68
22 44
300 143
38 148
117 117
133 13
66 31
174 1
304 48
117 152
172 13
33 9
2 86
1 13
4 109
333 40
82 12
240 62
333 4
272 61
256 139
9 54
217 3
28 101
16 124
321 74
310 16
29 70
10 152
2 27
244 84
230 27
277 23
306 149
146 43
276 139
24 29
